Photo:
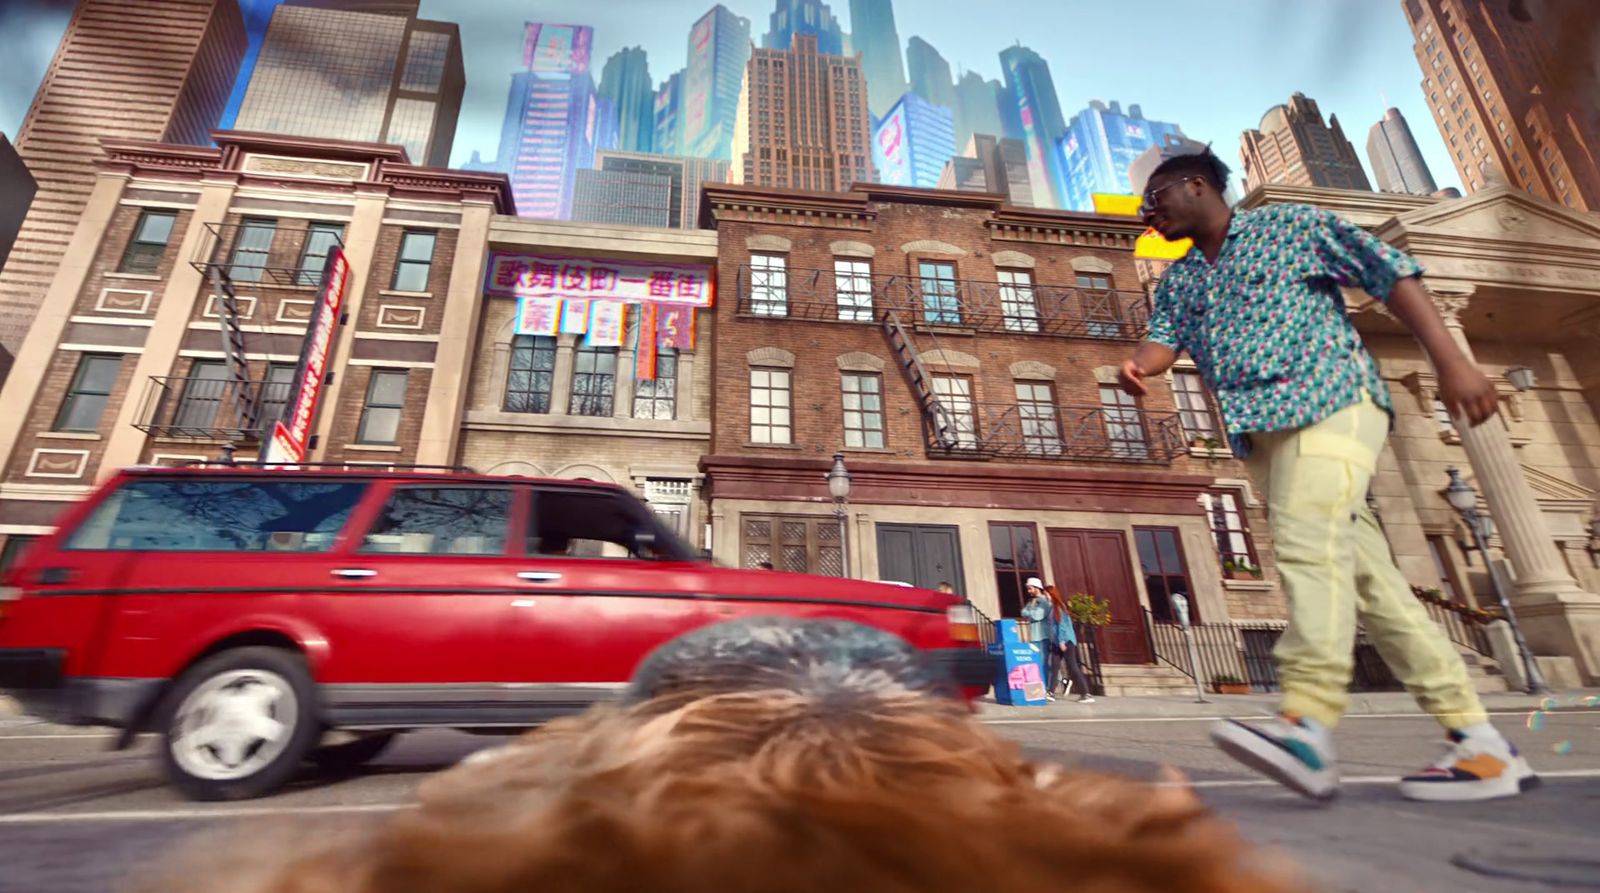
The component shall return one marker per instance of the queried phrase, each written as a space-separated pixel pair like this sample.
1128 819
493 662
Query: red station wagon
244 613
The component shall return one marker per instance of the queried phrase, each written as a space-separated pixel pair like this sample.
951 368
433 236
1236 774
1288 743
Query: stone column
685 392
458 337
1557 616
561 378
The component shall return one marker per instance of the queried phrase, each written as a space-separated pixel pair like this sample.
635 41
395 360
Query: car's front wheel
239 723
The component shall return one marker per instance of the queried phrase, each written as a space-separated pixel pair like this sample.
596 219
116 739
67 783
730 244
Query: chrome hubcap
234 724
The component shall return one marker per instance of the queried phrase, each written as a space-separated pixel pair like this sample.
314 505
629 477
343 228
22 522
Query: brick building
961 353
126 365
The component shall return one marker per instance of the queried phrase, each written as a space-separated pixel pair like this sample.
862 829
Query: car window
578 524
220 516
442 521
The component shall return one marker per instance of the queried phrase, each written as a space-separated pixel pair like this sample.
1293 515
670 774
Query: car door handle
523 603
354 573
538 576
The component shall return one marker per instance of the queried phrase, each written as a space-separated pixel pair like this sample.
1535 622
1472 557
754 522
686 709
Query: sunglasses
1152 197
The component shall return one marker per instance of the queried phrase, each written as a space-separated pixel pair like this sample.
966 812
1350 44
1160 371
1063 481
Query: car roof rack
343 466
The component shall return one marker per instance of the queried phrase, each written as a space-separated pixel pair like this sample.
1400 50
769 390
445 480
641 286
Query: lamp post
1594 540
839 488
1521 378
1464 500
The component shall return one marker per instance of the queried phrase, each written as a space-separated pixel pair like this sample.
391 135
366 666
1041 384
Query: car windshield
226 515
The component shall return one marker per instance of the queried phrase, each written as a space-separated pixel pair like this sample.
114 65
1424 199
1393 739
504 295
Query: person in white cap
1040 612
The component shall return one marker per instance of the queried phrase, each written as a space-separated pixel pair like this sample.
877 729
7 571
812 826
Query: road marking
1104 719
148 815
87 736
1350 780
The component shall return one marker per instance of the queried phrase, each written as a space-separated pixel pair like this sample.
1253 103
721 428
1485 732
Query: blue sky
1212 68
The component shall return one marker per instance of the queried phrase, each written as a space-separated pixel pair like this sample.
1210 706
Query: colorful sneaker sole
1265 755
1516 780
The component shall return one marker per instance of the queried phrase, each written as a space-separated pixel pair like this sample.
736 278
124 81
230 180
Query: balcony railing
259 252
1040 431
944 304
211 408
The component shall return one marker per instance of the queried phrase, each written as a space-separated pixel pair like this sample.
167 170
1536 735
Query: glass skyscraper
811 17
332 73
1031 107
554 119
625 81
874 36
930 73
1100 143
1395 158
912 144
719 49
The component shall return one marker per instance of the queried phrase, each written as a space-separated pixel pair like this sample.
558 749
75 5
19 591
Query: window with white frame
852 288
670 499
771 418
1036 409
1194 406
769 285
1017 302
863 410
955 396
1229 530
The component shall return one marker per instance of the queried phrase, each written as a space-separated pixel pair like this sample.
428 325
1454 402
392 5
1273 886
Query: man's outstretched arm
1152 358
1463 388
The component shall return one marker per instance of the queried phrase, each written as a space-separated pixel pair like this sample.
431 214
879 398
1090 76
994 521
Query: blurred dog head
778 756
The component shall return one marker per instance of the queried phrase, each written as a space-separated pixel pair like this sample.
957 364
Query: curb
1154 707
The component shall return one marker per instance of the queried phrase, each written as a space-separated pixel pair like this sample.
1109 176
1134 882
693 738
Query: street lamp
839 488
1464 500
1521 378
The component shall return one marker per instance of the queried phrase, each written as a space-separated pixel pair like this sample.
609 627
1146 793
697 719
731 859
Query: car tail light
963 622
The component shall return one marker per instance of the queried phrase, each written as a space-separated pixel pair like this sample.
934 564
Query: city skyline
1356 66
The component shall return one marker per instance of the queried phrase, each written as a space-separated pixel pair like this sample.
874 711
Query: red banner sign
292 434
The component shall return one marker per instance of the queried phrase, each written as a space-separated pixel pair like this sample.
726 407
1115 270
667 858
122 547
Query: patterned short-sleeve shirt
1266 323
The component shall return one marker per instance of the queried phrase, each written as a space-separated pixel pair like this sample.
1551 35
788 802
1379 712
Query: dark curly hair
1205 165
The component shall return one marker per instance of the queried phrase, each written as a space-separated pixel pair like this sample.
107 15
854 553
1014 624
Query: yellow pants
1336 567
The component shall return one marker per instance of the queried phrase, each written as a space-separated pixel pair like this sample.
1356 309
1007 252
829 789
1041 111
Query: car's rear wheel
351 754
238 724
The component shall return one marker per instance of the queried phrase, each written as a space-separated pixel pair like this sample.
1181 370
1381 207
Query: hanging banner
675 327
575 316
538 316
291 435
631 282
644 365
606 323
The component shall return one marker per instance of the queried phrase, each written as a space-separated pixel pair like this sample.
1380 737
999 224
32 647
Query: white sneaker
1086 699
1474 767
1296 753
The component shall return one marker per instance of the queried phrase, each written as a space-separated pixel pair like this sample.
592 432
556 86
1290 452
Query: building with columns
125 364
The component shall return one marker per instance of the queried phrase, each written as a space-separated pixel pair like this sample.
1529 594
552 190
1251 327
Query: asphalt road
75 818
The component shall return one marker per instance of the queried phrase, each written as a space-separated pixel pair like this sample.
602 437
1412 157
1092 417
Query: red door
1097 562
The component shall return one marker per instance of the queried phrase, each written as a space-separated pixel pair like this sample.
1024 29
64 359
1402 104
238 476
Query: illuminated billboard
889 148
695 106
557 49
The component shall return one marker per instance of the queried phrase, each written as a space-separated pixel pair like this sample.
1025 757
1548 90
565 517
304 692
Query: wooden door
1097 562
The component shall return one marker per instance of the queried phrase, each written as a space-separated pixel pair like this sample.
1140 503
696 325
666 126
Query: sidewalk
1387 703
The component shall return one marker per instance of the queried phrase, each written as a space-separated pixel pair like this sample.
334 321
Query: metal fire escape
938 421
232 409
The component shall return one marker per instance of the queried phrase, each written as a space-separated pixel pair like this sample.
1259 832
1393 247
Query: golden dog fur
756 792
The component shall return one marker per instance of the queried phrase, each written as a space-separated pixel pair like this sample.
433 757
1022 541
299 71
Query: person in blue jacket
1065 642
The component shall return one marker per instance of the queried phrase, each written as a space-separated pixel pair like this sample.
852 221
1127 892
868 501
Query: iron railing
1463 625
1244 651
211 408
1042 431
968 305
259 252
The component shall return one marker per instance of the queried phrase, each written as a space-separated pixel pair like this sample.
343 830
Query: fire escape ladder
941 424
233 348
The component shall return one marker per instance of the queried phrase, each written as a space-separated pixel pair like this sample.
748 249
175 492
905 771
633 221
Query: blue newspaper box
1020 679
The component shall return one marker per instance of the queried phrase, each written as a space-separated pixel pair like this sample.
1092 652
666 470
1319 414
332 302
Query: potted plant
1229 684
1240 569
1086 610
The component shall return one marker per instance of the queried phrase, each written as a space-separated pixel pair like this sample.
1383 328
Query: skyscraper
624 198
977 107
1140 169
875 37
1100 143
685 176
719 48
668 110
1032 108
810 17
913 142
17 189
351 70
1294 146
553 120
930 74
626 82
803 121
1396 160
991 164
188 56
1513 95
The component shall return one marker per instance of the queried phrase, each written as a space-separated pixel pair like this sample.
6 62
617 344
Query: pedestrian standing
1257 305
1039 611
1065 643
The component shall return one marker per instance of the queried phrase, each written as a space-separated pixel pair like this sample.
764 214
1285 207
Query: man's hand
1466 391
1131 377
